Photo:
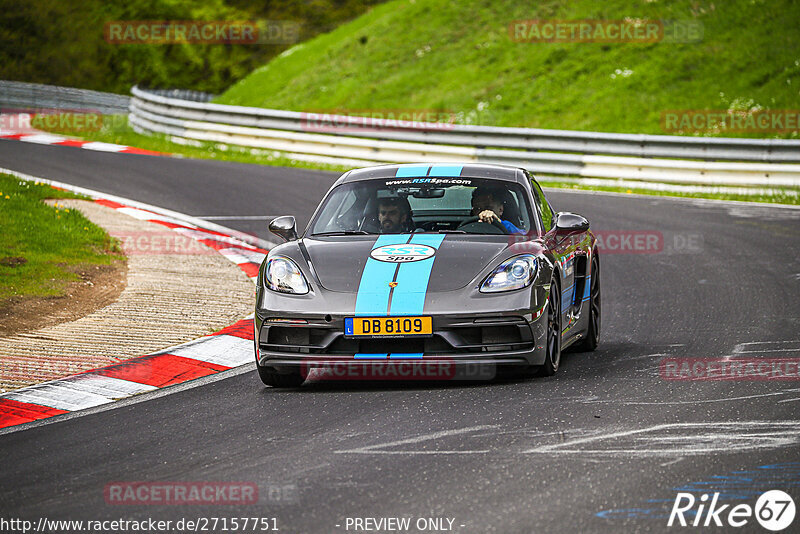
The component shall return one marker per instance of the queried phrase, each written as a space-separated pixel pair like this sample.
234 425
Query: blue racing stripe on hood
376 298
412 280
446 170
373 291
412 170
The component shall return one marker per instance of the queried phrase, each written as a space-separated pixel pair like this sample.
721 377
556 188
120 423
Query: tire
279 380
589 343
553 342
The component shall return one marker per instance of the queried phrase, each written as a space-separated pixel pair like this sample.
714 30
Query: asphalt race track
605 445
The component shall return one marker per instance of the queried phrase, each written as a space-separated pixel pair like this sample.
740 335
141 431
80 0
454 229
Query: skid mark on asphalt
635 402
380 448
767 347
683 439
766 213
675 440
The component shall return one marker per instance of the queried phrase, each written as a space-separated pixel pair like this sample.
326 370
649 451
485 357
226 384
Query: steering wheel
480 227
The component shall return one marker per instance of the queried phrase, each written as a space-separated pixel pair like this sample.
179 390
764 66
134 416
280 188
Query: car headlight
515 273
283 275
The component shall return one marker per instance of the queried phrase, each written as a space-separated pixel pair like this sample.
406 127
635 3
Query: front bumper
513 338
469 328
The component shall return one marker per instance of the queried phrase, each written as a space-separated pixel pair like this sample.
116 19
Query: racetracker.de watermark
160 242
386 367
341 121
731 121
724 368
161 32
148 524
180 493
628 242
197 492
32 119
628 30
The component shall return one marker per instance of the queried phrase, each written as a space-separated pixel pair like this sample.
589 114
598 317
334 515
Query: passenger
487 207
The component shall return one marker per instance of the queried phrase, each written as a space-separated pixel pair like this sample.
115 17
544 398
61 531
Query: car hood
339 262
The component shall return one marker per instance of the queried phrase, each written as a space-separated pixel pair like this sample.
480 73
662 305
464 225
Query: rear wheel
593 330
553 342
279 380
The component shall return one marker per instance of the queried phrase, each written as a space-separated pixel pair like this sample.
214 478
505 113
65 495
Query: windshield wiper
344 232
450 232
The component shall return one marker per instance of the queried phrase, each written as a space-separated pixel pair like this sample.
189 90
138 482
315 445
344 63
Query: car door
564 249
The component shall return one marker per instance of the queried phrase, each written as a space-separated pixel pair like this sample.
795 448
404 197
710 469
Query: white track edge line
162 211
134 399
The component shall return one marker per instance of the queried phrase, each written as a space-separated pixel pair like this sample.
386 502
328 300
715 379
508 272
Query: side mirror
284 227
569 223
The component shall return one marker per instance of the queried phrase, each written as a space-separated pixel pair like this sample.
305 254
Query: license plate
388 326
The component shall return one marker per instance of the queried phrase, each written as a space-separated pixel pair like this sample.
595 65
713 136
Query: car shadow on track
313 385
574 365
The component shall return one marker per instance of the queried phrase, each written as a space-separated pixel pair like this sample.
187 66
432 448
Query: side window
543 206
339 212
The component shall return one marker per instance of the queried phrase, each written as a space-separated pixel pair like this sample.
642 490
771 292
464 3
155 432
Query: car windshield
432 205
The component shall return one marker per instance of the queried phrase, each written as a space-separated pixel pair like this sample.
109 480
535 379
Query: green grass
115 129
459 57
64 42
41 246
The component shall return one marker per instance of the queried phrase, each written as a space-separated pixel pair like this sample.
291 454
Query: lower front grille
514 335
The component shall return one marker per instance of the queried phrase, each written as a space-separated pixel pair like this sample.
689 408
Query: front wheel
553 346
279 380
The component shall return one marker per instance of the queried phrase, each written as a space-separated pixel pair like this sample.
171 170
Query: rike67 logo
774 510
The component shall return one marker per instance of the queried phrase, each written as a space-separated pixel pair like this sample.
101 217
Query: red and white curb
50 139
230 347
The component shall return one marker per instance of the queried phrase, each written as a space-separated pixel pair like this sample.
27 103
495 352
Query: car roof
454 170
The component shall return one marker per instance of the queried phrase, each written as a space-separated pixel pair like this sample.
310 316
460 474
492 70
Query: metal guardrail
183 94
349 141
18 96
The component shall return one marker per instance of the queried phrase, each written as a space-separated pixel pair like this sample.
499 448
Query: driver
394 215
487 207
